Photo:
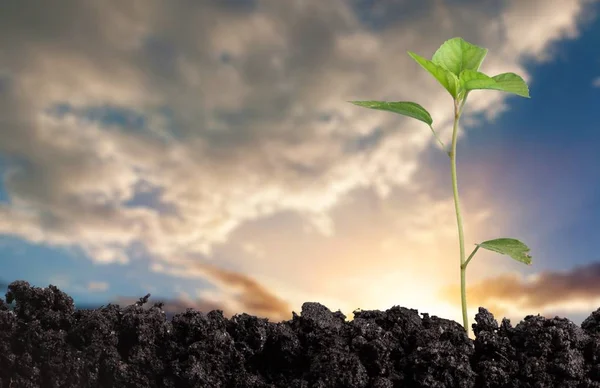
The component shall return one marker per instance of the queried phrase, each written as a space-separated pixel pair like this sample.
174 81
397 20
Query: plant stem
470 257
439 140
461 239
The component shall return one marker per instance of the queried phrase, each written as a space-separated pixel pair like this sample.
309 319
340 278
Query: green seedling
455 65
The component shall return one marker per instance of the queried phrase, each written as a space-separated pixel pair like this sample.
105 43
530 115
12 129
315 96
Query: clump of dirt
46 342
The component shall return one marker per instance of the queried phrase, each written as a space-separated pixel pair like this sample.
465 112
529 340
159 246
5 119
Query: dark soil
46 342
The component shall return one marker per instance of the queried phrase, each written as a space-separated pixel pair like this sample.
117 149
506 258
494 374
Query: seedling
455 65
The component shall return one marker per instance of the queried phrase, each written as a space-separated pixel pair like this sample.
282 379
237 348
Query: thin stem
470 257
461 239
439 140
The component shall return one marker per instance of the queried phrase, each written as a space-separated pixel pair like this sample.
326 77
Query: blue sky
549 151
206 154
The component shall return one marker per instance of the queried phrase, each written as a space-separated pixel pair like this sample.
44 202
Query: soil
46 342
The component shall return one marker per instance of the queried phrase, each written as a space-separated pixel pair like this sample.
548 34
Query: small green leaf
506 82
508 246
512 83
444 76
457 55
405 108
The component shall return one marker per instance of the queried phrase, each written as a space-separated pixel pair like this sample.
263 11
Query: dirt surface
46 342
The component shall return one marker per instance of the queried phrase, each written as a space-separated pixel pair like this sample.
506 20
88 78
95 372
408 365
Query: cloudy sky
205 152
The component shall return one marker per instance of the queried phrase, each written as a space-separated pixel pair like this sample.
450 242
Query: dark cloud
249 295
253 297
545 291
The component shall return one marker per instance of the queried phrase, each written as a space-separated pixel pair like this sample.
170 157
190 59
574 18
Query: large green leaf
445 77
508 246
405 108
506 82
457 55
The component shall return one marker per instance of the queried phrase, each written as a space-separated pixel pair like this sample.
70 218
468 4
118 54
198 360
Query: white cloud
532 26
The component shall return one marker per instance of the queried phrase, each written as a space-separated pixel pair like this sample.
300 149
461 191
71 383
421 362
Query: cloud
532 27
596 82
510 294
257 147
177 126
237 292
97 286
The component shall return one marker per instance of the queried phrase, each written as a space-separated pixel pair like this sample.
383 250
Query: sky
205 152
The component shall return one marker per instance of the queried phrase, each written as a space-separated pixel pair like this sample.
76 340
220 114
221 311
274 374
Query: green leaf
458 55
508 246
506 82
405 108
512 83
445 77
